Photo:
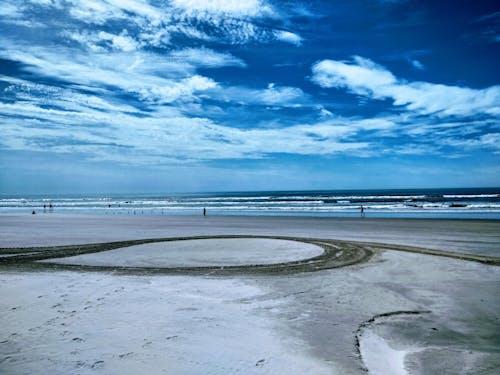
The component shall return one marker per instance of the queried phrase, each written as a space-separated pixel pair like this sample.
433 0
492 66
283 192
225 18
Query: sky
138 96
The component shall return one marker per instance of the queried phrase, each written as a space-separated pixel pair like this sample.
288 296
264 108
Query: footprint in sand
98 364
121 356
51 321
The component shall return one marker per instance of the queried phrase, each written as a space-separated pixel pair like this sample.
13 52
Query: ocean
464 203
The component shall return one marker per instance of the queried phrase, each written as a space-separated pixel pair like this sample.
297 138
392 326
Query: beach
390 312
222 187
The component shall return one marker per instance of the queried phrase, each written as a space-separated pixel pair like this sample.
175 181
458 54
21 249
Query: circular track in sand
195 255
210 252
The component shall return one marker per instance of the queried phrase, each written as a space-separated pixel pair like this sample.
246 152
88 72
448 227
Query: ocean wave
308 203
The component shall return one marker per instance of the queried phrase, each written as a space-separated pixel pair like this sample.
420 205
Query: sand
397 313
472 236
221 252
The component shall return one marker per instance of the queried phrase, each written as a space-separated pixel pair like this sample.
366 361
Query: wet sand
209 252
470 236
395 313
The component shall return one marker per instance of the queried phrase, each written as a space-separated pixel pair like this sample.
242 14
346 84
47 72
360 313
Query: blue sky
117 96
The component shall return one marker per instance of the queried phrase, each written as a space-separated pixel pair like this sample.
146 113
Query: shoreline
473 203
373 215
270 216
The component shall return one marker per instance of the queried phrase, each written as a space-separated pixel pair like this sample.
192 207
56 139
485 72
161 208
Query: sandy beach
260 187
394 312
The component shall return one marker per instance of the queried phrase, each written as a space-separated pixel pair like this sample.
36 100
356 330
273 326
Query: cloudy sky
217 95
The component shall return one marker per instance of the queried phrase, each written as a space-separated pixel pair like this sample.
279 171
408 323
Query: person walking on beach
362 209
204 211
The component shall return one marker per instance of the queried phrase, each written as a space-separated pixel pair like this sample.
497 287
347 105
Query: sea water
463 203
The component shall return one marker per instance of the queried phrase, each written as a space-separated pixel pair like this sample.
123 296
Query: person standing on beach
362 209
204 211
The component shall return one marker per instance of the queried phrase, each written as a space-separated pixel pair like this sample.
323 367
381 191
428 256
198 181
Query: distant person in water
204 211
362 210
33 213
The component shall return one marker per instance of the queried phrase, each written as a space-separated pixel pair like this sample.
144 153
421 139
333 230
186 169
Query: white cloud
363 77
145 73
49 119
235 8
10 10
227 20
279 95
164 137
417 65
99 12
120 42
54 3
206 57
414 149
325 112
59 120
489 140
152 78
288 37
154 23
102 41
183 89
273 95
65 99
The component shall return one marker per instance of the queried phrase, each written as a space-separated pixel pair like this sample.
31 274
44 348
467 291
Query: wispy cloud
364 77
164 137
155 23
272 95
235 8
183 89
417 64
487 29
103 41
205 57
288 37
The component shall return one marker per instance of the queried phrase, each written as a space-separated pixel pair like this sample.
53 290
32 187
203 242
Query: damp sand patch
224 252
